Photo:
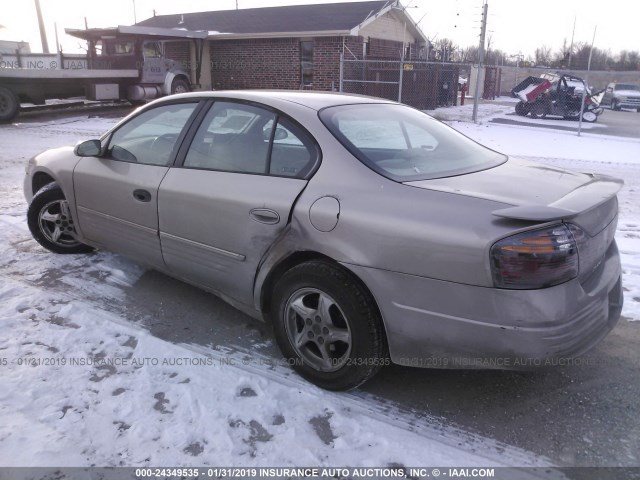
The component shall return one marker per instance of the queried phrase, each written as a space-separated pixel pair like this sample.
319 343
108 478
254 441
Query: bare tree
543 56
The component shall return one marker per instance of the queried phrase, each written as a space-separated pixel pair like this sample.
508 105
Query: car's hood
531 191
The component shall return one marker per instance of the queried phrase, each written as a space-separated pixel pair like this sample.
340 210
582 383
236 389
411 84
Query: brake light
536 258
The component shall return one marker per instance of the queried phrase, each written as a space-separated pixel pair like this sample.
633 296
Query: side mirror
281 134
88 148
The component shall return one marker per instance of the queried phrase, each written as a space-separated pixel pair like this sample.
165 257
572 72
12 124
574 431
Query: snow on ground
79 385
84 384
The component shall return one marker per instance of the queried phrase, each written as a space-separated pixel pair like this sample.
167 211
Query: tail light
536 258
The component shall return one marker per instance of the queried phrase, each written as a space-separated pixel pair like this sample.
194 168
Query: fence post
400 81
483 31
341 70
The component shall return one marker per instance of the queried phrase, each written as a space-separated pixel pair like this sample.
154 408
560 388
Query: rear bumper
431 323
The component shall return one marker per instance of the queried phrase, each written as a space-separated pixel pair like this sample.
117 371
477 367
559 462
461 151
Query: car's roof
313 100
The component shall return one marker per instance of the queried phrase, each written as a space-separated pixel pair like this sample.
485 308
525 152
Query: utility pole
43 33
586 81
571 47
483 32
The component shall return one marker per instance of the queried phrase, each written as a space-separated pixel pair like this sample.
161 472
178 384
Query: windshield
625 86
404 144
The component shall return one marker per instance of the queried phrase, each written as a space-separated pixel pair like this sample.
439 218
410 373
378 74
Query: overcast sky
515 26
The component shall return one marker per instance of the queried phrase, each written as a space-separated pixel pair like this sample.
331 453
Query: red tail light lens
536 258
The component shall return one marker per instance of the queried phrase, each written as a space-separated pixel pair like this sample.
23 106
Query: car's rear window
404 144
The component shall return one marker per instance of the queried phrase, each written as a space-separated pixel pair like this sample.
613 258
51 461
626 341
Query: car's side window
150 138
241 138
293 153
232 138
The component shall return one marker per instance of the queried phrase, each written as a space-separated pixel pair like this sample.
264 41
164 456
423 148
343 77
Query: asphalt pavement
623 123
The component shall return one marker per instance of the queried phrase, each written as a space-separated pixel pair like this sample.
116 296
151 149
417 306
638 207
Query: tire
51 224
522 109
304 328
538 110
179 86
9 105
614 105
589 116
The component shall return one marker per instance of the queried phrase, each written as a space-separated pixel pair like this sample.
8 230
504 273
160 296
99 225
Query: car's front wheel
51 223
614 105
327 326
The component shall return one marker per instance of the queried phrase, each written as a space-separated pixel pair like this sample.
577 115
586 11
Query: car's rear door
116 193
230 198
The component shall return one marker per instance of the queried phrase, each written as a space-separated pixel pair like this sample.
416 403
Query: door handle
265 215
142 195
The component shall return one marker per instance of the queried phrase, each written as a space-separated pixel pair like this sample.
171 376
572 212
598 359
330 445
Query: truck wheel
179 86
9 105
614 105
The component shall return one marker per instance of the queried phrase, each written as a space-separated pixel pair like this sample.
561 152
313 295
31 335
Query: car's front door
231 198
116 193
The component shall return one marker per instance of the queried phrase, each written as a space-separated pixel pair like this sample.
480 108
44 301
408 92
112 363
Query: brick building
291 47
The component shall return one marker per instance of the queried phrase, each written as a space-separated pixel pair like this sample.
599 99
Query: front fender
59 164
171 75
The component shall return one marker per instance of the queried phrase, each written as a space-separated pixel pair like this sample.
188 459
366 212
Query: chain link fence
449 88
421 84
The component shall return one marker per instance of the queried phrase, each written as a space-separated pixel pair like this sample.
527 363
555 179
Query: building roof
121 30
330 18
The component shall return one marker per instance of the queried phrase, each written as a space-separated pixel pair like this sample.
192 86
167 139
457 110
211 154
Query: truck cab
140 49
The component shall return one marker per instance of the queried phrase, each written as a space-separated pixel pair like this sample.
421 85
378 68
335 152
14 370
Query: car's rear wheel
51 223
327 326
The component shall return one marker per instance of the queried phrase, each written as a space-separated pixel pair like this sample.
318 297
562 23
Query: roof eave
415 30
241 36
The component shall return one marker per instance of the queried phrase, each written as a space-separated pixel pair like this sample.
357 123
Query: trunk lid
539 194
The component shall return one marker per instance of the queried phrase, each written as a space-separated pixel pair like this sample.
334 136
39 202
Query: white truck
122 63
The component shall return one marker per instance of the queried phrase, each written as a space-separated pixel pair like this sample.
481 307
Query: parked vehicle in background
556 95
366 231
622 95
122 63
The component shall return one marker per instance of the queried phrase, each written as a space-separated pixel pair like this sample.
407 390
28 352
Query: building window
306 63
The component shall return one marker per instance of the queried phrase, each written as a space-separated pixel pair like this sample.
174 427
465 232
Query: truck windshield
404 144
625 86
